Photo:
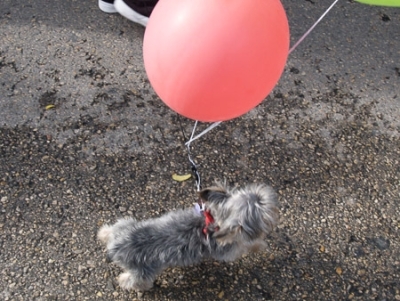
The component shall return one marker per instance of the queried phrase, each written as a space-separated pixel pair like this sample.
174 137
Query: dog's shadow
211 280
259 276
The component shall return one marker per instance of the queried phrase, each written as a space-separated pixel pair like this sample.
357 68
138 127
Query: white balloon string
215 124
312 27
193 131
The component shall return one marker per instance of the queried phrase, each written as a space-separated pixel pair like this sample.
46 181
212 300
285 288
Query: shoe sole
107 7
129 13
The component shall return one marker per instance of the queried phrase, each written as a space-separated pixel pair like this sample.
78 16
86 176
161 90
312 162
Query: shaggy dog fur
238 221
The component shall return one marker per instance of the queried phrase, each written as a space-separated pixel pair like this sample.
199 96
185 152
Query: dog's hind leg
104 234
131 280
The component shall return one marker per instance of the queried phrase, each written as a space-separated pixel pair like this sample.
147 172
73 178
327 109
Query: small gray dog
234 222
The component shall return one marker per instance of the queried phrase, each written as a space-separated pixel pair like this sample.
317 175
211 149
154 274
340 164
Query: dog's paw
127 281
104 233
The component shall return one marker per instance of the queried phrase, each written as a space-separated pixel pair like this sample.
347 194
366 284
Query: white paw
128 281
104 233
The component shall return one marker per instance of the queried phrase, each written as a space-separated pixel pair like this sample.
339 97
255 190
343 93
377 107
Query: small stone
91 263
99 294
361 272
221 294
110 285
322 249
339 271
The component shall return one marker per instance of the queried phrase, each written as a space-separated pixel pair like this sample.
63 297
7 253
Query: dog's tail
108 233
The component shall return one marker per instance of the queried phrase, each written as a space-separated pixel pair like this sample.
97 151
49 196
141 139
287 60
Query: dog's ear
213 194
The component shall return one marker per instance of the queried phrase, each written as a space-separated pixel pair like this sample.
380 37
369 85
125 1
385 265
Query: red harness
209 220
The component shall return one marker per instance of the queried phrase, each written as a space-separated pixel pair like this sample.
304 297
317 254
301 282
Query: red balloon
214 60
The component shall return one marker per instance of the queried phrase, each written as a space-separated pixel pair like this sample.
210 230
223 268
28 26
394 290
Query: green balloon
381 2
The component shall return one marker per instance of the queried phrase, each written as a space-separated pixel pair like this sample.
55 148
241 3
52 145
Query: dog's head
241 215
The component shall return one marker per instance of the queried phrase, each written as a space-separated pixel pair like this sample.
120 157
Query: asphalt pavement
84 140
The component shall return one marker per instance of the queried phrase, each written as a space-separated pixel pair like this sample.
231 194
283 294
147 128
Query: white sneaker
107 6
129 13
